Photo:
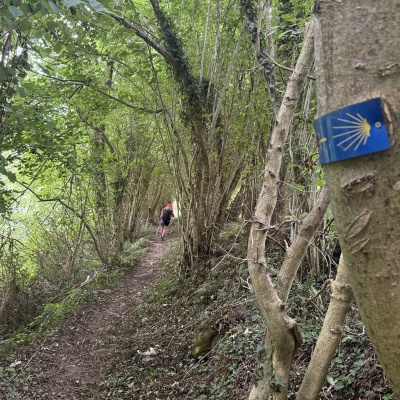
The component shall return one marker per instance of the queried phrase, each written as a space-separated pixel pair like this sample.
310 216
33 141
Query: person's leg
158 229
166 228
162 230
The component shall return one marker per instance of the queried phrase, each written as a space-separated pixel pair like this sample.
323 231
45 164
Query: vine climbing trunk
357 59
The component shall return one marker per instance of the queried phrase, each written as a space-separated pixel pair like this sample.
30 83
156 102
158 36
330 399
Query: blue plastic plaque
352 131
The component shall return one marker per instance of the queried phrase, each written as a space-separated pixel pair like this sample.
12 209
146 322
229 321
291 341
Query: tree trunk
284 337
357 58
294 254
99 175
153 207
329 337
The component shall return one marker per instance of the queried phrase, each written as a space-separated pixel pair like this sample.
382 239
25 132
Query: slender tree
330 336
283 336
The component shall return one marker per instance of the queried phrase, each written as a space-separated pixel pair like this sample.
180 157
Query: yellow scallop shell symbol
357 132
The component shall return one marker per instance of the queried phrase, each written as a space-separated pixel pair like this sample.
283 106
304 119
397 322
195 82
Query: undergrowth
156 359
55 310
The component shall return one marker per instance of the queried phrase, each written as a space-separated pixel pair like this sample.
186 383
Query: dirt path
70 363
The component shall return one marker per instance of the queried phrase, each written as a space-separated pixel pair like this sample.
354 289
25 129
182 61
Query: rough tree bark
357 58
283 336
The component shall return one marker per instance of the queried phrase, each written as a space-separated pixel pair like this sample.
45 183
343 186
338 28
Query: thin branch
228 253
286 68
326 284
125 103
82 83
72 81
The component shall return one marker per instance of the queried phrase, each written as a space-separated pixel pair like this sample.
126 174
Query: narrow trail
71 361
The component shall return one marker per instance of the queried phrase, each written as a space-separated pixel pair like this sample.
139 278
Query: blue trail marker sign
352 131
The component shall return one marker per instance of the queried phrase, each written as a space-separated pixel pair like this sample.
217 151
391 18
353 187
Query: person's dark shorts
164 223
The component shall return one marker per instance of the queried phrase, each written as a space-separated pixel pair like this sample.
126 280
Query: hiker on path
166 213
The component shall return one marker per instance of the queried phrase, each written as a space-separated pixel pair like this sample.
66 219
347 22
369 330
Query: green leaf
11 71
15 11
30 86
21 91
58 47
99 7
43 9
71 3
6 21
52 24
25 26
45 5
3 74
330 380
6 72
3 210
339 385
10 175
53 6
